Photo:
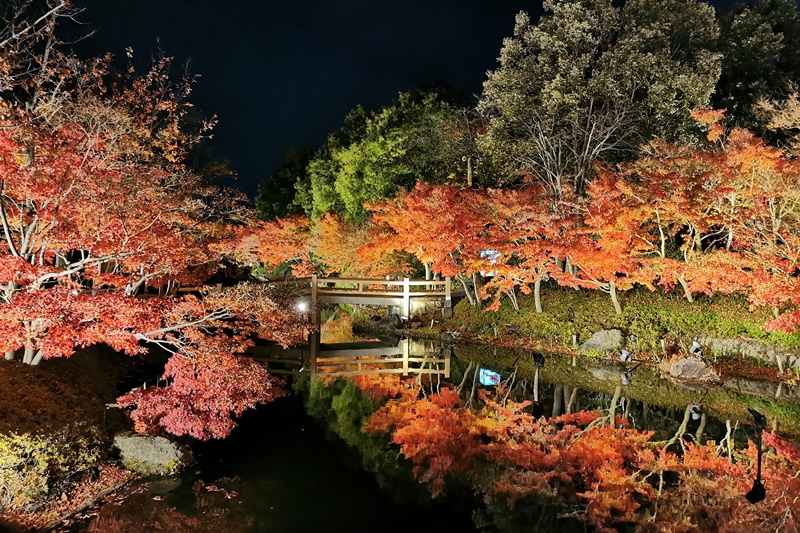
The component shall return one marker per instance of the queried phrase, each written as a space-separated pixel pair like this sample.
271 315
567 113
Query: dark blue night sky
282 74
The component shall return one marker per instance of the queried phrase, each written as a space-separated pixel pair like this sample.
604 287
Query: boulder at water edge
692 369
391 321
606 340
151 455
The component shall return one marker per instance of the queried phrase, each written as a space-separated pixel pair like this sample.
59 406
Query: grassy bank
650 316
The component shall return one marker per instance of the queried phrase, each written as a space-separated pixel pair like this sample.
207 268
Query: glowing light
302 306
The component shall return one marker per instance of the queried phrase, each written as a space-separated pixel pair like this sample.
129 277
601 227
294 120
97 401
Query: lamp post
302 308
758 492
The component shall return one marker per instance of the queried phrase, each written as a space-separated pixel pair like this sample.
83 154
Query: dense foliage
586 461
591 81
99 206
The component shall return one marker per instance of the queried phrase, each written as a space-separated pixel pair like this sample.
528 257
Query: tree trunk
30 351
37 358
428 275
537 295
558 397
536 385
476 285
474 387
464 378
612 412
612 290
698 436
467 290
513 297
686 290
570 402
8 291
10 355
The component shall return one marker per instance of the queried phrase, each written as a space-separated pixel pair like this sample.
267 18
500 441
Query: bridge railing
413 287
400 289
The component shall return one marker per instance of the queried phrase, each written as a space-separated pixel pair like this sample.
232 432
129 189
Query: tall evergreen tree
590 82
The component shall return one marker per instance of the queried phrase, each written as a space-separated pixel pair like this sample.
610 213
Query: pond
277 472
282 471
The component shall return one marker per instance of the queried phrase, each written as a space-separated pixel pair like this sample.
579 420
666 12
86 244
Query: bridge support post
406 299
313 337
447 309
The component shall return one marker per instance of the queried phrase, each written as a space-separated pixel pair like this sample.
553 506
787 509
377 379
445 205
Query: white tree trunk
612 290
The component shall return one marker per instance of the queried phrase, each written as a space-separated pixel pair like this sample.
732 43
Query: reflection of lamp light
302 306
758 492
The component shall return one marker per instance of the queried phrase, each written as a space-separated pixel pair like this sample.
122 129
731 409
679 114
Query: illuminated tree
523 233
590 81
442 226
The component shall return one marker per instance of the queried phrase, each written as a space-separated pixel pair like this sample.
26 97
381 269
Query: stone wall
783 358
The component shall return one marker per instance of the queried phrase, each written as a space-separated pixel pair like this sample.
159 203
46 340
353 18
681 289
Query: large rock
391 321
605 373
151 455
694 370
607 340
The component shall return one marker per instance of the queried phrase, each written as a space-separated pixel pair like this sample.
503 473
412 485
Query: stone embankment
784 358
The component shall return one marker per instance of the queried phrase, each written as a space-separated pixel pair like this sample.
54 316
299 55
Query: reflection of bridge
354 358
387 292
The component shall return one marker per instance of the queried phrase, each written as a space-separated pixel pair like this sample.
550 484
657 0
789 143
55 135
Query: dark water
279 472
286 476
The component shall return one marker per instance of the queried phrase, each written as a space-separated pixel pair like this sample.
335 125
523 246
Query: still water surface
287 477
279 472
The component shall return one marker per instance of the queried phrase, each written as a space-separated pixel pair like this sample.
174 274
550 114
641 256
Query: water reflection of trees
209 508
650 395
592 456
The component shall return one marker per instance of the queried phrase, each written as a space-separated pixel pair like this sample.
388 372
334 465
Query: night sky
283 74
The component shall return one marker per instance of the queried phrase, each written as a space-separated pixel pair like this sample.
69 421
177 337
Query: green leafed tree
591 81
761 43
424 136
276 194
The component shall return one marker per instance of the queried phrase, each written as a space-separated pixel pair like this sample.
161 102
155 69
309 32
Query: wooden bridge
396 293
360 291
348 359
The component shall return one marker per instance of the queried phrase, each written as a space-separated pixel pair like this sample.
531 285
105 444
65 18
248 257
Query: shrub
33 468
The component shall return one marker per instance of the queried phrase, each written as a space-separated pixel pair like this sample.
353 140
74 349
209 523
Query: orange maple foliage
524 232
336 243
440 225
618 475
96 205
